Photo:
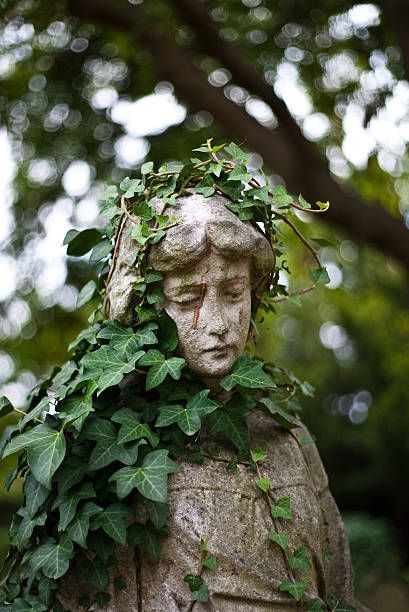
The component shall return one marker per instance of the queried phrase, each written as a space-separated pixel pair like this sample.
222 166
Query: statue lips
220 350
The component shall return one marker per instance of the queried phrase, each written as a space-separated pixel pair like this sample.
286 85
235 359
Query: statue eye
234 294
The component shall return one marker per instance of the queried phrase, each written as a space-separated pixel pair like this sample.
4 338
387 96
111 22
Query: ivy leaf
317 605
282 509
210 563
194 582
202 593
124 340
52 558
80 243
158 513
149 537
93 571
279 537
112 521
295 589
188 421
239 173
5 406
101 249
101 544
189 417
279 414
232 425
323 206
132 428
319 276
26 528
109 365
45 451
247 372
168 335
300 559
303 203
35 494
86 293
161 367
75 409
281 197
263 484
258 455
147 167
67 504
71 473
79 527
107 449
130 186
236 153
150 479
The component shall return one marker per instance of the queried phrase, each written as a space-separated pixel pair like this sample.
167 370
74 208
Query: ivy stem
26 414
300 236
270 503
300 292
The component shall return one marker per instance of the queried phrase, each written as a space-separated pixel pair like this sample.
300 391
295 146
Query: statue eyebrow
181 289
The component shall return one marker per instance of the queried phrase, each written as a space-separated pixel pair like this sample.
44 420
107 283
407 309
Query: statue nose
217 323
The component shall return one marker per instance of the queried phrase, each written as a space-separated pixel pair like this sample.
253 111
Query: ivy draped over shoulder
224 507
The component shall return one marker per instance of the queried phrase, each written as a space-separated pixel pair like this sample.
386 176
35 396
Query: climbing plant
105 430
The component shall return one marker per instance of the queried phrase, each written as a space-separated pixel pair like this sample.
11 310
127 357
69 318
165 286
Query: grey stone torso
225 507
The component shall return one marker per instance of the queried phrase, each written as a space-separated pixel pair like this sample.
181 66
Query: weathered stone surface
225 507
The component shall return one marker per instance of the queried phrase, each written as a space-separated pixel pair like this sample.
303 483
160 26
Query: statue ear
121 297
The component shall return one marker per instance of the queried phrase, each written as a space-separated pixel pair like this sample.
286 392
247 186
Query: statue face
211 306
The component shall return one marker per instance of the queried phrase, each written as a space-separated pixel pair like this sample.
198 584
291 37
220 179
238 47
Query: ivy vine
107 428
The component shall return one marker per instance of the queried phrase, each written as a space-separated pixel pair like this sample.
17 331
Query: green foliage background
365 461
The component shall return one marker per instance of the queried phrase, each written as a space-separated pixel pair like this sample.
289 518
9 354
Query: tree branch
283 153
397 13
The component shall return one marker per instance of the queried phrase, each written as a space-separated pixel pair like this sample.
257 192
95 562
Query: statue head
214 265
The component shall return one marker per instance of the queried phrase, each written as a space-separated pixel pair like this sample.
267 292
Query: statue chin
214 363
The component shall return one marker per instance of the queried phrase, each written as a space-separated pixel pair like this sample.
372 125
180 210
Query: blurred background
318 92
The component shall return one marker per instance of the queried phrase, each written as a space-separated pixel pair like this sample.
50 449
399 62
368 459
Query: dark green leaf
45 451
86 293
278 413
94 572
35 494
263 484
210 563
247 372
101 249
81 242
295 589
5 406
161 367
319 276
282 509
112 521
150 479
300 559
281 538
132 428
52 559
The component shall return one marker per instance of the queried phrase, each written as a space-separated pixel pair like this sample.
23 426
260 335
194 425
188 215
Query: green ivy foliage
107 428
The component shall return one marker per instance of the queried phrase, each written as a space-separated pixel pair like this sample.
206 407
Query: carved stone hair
202 223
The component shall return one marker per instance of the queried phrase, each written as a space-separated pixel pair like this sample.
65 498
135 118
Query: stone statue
215 266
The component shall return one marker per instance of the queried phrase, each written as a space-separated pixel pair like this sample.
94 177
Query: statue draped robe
226 508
